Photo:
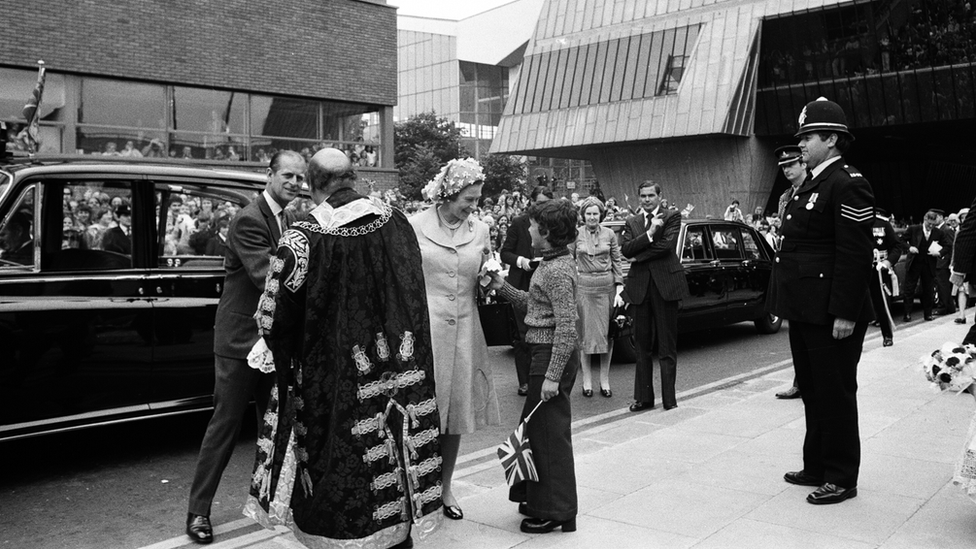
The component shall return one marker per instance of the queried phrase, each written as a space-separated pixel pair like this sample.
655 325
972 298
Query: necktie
281 221
647 221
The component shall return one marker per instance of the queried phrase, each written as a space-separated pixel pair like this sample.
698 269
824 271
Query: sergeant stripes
857 215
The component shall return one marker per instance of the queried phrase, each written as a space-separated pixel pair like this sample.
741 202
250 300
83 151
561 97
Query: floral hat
456 175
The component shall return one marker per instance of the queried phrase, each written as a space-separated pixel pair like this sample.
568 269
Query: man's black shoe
802 478
792 392
929 317
641 406
831 493
907 318
198 528
523 390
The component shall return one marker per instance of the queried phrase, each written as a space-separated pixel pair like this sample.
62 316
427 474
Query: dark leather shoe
831 493
588 393
523 389
544 526
606 392
888 342
453 512
802 478
405 544
792 392
198 528
641 406
960 321
670 407
929 317
907 318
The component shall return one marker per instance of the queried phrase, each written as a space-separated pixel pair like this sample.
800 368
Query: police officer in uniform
790 160
887 250
820 283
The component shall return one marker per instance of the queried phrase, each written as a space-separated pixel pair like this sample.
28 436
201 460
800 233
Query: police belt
807 246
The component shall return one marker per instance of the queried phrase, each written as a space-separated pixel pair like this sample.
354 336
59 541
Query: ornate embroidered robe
349 451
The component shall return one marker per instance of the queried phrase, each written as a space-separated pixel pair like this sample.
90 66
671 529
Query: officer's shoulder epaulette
852 171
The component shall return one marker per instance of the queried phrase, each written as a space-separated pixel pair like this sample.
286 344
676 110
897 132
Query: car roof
56 165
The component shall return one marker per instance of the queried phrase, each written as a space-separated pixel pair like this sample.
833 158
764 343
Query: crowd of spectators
361 154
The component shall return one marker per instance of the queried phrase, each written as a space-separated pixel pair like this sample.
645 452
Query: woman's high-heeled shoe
587 393
544 526
453 512
606 392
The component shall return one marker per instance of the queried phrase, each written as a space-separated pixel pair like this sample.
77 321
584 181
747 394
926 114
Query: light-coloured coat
462 374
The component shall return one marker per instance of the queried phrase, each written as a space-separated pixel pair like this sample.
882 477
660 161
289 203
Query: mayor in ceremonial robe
349 453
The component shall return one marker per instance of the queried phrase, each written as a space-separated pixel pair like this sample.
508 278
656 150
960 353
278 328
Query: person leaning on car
820 284
252 240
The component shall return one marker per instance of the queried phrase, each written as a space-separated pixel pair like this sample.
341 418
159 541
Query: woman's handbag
497 321
620 322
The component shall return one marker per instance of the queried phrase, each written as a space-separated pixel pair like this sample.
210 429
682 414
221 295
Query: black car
95 327
727 265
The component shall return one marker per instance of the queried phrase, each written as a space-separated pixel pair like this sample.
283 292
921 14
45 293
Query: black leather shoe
671 407
523 389
544 526
929 317
907 318
198 528
792 392
960 321
641 406
606 392
888 342
453 512
588 393
405 544
802 478
831 493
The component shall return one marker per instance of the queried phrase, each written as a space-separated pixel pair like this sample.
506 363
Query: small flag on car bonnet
516 454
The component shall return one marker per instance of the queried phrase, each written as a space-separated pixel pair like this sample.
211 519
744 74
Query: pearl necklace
452 226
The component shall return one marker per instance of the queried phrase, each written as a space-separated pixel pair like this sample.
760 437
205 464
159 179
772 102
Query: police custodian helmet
822 115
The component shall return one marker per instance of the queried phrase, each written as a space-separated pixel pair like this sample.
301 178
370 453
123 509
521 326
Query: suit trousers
550 435
235 384
826 370
946 302
523 350
880 302
918 273
656 332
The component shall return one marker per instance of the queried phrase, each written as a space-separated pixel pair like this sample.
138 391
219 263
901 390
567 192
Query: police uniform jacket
823 267
885 241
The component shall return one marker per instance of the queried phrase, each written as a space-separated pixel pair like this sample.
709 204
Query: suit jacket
946 256
823 267
251 241
915 236
114 240
654 259
964 248
518 243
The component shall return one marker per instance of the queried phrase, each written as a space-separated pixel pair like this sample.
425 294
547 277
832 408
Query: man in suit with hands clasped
655 284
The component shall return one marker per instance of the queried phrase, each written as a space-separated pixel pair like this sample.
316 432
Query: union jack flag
32 110
516 455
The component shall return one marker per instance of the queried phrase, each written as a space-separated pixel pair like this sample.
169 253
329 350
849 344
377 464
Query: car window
726 242
192 222
750 246
694 248
17 232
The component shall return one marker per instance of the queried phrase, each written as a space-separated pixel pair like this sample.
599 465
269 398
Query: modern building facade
464 70
696 94
230 82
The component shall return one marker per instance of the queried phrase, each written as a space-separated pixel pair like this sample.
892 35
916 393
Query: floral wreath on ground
456 175
951 368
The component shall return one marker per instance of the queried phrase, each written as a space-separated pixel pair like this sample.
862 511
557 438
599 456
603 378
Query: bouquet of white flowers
951 367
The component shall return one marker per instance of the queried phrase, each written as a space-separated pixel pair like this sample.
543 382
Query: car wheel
768 324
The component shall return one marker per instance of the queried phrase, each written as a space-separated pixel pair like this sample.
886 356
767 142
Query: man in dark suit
820 283
926 245
517 252
655 284
945 304
117 239
252 240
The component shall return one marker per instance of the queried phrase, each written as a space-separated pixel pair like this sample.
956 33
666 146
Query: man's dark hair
275 163
931 216
657 188
557 221
540 189
844 140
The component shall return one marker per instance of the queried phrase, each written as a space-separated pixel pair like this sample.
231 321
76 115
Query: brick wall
326 49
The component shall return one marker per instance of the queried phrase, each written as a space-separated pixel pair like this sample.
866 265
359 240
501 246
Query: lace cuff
260 357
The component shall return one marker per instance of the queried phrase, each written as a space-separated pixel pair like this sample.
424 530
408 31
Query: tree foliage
422 144
503 172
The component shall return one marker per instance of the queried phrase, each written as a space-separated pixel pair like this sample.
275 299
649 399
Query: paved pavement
709 474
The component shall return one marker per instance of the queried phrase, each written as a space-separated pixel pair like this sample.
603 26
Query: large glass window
121 103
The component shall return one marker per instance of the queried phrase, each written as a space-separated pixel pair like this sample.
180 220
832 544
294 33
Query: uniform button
451 322
796 197
451 274
777 260
450 296
789 216
821 275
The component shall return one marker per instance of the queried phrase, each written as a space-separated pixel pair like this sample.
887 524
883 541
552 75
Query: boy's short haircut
557 221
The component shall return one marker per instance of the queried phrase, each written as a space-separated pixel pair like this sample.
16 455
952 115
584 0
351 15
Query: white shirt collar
823 165
275 207
652 214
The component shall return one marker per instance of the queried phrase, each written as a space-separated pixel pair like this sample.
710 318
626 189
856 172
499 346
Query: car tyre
768 324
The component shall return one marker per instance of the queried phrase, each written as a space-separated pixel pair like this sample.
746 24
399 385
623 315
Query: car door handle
746 263
715 263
